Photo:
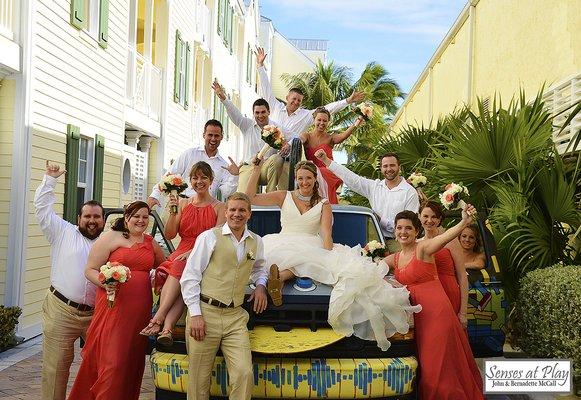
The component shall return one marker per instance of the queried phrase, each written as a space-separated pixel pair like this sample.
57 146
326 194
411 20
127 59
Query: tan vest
225 279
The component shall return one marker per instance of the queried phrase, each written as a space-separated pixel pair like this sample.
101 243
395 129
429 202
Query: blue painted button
304 283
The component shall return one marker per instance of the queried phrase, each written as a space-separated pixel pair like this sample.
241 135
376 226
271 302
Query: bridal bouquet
453 196
417 180
374 249
273 137
365 110
172 184
113 272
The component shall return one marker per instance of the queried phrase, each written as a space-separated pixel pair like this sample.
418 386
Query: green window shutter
227 25
104 23
72 167
230 23
177 67
187 77
78 13
99 161
248 63
220 16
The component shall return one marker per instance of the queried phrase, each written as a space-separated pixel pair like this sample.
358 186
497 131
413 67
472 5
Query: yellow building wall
515 45
7 93
524 44
286 58
450 75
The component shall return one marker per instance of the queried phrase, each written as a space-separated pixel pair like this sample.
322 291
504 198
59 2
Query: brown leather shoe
274 286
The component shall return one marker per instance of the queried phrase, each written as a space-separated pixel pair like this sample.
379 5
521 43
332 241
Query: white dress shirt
300 120
223 180
200 257
69 249
385 202
251 132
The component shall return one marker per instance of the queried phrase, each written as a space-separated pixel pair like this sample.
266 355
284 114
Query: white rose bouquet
273 137
374 249
365 110
172 184
113 272
453 196
417 180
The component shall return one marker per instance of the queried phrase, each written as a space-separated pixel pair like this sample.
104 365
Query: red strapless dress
114 354
194 221
333 182
447 276
447 366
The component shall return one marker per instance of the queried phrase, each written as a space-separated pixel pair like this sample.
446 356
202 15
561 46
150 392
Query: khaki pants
226 330
62 326
269 174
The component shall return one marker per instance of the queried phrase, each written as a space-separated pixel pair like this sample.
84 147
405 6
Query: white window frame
90 169
92 8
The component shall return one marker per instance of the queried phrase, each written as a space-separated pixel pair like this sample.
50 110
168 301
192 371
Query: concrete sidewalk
20 372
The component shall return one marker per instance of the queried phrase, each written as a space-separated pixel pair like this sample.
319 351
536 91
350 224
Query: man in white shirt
252 132
387 197
68 305
213 287
292 118
225 175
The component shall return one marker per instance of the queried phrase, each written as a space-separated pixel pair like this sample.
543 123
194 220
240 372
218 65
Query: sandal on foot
151 329
165 337
274 286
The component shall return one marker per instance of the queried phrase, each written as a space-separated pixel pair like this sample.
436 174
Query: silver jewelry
303 198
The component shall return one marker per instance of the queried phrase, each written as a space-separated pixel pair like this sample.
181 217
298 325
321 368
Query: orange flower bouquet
113 272
172 184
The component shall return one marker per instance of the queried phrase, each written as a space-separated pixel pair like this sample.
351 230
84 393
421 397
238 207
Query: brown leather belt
214 302
61 297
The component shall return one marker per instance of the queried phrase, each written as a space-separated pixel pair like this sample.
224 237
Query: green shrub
8 320
548 314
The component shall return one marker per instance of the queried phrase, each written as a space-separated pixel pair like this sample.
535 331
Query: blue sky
401 35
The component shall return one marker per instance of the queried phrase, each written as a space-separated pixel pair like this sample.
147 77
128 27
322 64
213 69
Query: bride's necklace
303 198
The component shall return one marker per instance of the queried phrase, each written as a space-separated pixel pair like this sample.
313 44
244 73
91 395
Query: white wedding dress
361 303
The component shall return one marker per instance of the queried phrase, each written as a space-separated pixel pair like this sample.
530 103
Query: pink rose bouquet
273 137
453 196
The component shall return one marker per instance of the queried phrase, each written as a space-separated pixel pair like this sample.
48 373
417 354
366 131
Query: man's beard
92 236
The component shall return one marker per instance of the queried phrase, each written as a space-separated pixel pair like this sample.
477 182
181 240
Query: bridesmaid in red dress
319 138
451 271
447 367
195 215
114 354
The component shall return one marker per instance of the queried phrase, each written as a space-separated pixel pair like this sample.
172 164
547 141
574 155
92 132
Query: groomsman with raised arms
251 129
225 174
386 197
68 305
293 119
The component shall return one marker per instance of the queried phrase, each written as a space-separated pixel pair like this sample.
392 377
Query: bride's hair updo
311 167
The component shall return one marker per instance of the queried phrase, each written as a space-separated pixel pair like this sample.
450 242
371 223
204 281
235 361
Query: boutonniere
250 256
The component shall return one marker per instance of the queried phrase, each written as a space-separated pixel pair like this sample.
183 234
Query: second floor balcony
144 85
9 41
203 24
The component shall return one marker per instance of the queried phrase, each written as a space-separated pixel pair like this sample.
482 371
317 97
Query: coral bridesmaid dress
447 276
114 354
333 182
447 367
194 221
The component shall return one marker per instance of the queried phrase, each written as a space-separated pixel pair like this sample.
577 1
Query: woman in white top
361 302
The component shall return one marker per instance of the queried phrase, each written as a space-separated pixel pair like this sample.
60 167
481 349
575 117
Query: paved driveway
20 373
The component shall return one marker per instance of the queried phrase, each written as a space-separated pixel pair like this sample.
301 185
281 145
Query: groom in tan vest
213 285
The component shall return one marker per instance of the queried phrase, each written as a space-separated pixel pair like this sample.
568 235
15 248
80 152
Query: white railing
9 10
558 99
143 85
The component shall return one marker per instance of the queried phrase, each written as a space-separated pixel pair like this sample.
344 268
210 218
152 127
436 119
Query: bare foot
151 329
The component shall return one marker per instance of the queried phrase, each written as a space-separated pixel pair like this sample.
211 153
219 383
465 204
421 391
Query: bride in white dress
362 303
